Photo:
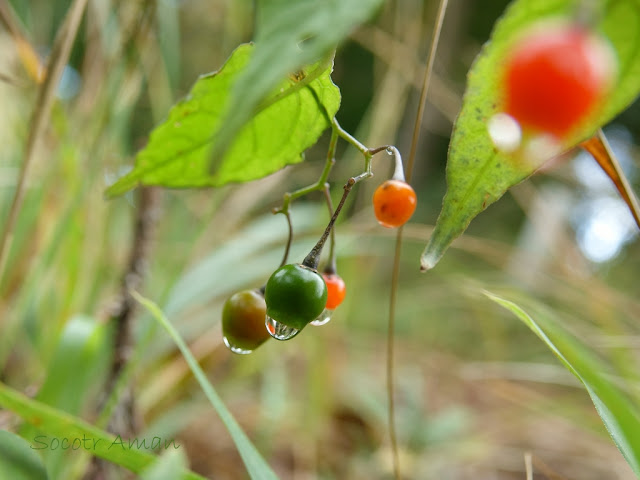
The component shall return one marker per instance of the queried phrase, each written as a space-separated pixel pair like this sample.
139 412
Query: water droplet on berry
280 331
323 318
505 132
234 348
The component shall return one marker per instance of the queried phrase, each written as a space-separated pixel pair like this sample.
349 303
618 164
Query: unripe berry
295 295
243 317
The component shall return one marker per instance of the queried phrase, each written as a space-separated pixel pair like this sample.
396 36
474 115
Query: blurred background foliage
476 391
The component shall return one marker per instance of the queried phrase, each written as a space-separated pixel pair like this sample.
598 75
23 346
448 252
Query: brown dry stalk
600 150
124 420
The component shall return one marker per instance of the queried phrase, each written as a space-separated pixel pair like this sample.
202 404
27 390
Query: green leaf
59 425
477 174
84 341
289 35
620 416
257 467
18 461
289 121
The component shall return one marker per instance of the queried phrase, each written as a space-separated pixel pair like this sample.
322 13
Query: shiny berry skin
393 203
555 76
295 295
243 318
336 290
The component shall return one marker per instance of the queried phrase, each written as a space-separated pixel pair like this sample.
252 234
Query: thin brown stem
59 57
393 294
331 267
123 417
313 258
435 38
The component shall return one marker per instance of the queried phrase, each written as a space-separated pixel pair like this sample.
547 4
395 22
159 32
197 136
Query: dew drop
234 348
323 318
280 331
505 132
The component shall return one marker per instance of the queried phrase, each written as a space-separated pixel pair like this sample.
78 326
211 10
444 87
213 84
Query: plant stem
350 139
118 406
320 183
331 267
285 257
442 7
59 56
313 258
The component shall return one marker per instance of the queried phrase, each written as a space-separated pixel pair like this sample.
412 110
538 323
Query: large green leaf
257 467
620 416
290 120
18 461
289 34
477 174
58 426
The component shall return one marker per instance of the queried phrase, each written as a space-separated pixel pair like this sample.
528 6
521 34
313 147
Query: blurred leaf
289 35
83 342
257 467
477 174
168 467
58 424
18 461
292 118
620 416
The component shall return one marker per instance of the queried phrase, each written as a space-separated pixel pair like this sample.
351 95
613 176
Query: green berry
295 295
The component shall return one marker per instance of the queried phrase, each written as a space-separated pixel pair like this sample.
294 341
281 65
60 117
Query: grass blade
619 415
256 465
61 425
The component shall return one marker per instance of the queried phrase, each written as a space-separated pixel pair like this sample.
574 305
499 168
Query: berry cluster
297 295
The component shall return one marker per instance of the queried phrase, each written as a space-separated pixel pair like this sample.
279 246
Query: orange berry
393 203
336 290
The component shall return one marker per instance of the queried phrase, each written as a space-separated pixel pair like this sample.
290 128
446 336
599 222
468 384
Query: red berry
336 290
555 76
393 203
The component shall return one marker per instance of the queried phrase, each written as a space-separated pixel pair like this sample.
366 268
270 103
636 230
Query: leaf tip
429 259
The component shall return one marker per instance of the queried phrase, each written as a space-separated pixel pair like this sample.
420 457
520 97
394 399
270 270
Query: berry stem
331 264
398 173
289 239
313 258
319 184
350 138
